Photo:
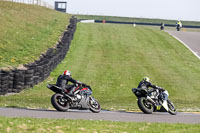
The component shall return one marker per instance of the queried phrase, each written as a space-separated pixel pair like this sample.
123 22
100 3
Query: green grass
27 31
22 125
113 59
129 19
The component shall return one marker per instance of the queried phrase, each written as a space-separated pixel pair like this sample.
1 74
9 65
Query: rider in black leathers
145 84
62 81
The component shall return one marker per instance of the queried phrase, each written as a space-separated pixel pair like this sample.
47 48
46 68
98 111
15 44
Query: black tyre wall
18 79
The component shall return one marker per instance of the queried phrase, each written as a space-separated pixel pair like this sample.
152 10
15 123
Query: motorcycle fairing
164 104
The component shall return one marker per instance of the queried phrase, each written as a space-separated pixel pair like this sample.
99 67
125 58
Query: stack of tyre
18 82
4 82
29 80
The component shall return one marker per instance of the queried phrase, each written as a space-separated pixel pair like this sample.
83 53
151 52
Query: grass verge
22 125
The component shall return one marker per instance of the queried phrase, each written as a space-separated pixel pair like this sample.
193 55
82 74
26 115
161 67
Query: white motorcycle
154 100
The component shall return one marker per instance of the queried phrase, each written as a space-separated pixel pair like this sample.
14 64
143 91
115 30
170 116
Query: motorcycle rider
162 26
178 25
145 84
63 79
179 22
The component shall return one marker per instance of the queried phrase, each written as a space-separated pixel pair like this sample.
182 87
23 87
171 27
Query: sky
163 9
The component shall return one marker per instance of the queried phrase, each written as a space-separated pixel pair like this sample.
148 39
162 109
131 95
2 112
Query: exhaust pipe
68 97
150 100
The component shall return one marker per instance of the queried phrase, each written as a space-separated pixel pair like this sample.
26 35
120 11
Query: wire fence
33 2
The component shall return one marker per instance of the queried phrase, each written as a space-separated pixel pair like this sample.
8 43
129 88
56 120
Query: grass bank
27 31
113 59
23 125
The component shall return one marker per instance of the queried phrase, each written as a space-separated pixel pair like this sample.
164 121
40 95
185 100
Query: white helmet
67 73
146 79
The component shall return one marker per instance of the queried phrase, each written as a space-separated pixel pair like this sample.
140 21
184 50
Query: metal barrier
150 24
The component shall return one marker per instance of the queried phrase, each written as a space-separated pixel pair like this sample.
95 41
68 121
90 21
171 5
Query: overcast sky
164 9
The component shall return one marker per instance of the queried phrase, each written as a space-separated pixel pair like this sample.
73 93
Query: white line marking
195 53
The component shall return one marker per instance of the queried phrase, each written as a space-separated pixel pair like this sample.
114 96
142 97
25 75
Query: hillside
113 59
27 31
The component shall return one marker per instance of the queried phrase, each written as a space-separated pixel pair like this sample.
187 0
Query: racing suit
145 85
62 81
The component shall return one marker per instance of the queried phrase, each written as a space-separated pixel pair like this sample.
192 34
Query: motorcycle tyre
56 105
142 106
172 112
91 108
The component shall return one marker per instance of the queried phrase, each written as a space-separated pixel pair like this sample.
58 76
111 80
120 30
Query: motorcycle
178 27
154 100
81 99
162 27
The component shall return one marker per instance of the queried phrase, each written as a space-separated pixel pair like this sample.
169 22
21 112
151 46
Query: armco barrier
16 80
150 24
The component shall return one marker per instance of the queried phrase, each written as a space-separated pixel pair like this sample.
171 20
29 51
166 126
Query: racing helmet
146 79
67 73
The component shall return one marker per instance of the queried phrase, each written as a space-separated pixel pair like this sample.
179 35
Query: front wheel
171 106
144 105
93 104
59 103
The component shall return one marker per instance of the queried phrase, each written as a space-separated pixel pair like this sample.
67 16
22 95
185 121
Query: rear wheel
94 106
172 108
145 105
59 103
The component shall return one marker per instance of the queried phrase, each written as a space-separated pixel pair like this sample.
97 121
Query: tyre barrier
31 74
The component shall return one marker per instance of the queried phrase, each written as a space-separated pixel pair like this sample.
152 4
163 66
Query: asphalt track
158 117
190 39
